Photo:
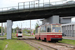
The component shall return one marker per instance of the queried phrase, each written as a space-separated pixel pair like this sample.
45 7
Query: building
69 29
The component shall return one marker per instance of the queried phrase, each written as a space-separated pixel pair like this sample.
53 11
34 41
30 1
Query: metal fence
32 5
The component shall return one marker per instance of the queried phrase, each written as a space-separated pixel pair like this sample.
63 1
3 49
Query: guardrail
31 4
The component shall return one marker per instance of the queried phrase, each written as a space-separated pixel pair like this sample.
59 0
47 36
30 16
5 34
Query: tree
28 31
34 31
17 28
36 25
13 30
0 29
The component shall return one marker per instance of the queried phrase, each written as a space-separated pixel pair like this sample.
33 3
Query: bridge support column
51 20
56 19
9 29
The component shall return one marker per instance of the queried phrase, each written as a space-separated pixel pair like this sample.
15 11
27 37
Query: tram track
54 45
66 45
38 45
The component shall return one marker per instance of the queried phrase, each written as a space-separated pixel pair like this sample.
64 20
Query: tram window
43 29
49 28
56 29
36 30
19 32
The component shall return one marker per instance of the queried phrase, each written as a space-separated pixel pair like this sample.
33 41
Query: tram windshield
56 28
19 32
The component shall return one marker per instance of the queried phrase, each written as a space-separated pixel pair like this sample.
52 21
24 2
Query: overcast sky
25 23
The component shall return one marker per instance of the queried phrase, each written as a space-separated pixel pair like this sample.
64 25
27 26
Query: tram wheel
45 39
35 37
39 38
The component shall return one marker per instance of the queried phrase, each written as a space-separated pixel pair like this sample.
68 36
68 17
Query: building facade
68 29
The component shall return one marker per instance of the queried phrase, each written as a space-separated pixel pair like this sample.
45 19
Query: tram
49 32
19 33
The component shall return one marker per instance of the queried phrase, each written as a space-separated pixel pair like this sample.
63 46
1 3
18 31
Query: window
56 28
19 32
36 30
43 29
49 28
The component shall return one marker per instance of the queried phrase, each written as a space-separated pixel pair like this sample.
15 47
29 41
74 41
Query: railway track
19 38
48 46
38 45
66 45
58 46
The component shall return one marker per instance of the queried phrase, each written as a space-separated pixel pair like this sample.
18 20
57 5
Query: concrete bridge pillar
51 20
56 19
9 29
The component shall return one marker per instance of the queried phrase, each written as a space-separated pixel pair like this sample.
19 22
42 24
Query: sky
24 23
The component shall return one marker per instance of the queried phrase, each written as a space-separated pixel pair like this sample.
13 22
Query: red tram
50 32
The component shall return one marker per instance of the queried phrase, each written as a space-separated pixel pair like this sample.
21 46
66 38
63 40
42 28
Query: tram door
39 31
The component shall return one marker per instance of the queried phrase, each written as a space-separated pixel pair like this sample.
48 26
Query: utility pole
30 27
1 28
5 28
21 27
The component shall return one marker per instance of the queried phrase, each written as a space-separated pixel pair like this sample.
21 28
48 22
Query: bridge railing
32 5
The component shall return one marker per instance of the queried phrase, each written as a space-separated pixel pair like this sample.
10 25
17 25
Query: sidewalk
71 38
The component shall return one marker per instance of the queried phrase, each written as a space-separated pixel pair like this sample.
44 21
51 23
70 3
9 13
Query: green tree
34 31
13 30
36 26
17 28
0 29
28 31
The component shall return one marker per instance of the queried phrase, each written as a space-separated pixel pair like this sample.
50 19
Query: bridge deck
34 7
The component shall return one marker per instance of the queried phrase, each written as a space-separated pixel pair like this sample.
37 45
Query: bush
34 31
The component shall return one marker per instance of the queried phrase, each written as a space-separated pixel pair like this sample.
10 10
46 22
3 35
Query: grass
67 41
14 35
15 45
2 44
4 35
24 34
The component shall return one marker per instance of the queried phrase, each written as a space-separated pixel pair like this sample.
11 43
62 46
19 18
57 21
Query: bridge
51 13
36 11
